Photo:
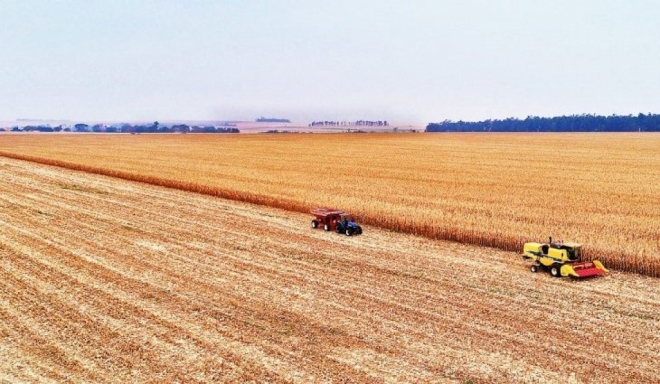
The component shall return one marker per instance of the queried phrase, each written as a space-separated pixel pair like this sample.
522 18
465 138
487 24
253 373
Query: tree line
272 120
573 123
359 123
155 127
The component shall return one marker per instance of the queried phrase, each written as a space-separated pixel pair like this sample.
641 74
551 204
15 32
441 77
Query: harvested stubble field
107 280
497 190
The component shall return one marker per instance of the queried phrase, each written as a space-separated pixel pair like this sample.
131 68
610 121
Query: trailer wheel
534 268
349 231
555 270
315 224
326 227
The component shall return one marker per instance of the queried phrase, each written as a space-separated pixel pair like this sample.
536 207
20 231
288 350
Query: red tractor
332 219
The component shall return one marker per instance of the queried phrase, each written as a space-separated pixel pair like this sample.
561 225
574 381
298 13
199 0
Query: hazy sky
403 61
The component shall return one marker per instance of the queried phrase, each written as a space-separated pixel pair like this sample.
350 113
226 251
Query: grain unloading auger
561 259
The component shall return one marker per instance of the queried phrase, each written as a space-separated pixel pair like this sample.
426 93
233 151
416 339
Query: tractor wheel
358 231
534 268
349 232
555 270
326 227
315 224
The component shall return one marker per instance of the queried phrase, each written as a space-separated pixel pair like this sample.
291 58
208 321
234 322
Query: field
500 190
107 280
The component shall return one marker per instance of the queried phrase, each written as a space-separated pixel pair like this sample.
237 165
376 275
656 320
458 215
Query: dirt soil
104 280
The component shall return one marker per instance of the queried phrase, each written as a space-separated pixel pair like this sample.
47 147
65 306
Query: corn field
496 190
104 280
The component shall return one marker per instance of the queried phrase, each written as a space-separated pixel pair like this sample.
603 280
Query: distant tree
37 128
227 130
181 128
81 128
145 128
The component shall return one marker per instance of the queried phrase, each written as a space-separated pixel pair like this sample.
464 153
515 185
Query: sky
414 61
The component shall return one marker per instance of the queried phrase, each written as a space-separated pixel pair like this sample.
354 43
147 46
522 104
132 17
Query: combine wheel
555 270
315 224
326 227
534 268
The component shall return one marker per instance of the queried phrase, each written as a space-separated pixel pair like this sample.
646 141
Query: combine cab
561 259
335 220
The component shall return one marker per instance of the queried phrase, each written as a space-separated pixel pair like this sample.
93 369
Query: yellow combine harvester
561 259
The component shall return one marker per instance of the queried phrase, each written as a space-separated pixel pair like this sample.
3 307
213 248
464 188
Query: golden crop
103 280
498 190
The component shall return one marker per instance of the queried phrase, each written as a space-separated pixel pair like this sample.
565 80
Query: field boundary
612 260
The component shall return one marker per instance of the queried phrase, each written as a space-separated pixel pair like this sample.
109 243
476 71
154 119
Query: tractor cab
347 225
345 218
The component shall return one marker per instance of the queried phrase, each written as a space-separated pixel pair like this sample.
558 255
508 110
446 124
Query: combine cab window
574 254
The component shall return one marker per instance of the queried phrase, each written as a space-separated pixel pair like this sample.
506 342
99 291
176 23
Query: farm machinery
335 220
561 259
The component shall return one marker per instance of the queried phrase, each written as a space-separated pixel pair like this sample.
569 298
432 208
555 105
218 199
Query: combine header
335 220
561 259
